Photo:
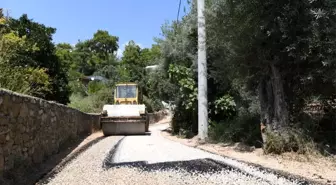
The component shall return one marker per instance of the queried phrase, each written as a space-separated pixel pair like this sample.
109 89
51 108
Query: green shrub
82 103
93 103
185 113
95 86
184 121
152 105
244 128
289 141
222 108
26 80
76 86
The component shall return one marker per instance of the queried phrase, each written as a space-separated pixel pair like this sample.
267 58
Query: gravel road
155 160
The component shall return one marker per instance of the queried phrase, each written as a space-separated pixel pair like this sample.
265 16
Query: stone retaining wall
31 129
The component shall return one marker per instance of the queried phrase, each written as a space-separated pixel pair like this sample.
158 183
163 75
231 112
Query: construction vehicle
127 116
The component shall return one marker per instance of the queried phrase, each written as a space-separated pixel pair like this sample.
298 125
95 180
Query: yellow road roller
127 115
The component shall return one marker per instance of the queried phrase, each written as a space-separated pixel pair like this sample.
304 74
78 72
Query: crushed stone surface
155 160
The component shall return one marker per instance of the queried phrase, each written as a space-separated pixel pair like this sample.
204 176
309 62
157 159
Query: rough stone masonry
31 129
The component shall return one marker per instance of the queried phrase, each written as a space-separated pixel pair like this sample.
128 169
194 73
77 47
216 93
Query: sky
138 20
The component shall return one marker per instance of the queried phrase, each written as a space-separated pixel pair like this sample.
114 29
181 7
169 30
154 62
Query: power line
178 11
178 15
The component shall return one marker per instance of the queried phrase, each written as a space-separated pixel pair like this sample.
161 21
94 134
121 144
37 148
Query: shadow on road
144 134
31 174
206 165
199 166
66 159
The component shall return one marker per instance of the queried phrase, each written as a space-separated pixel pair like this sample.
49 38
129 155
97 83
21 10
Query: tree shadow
61 163
168 130
39 173
129 134
200 166
205 165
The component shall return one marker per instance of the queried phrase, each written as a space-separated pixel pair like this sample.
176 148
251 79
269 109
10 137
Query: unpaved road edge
322 181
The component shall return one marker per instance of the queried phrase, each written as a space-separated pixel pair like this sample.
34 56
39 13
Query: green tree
131 60
264 57
104 45
2 21
64 52
84 58
95 54
150 56
131 54
40 36
15 76
277 46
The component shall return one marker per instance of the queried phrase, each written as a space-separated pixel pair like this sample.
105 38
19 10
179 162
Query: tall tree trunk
281 110
274 112
266 106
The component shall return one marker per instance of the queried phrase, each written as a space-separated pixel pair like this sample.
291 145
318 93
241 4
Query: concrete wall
32 129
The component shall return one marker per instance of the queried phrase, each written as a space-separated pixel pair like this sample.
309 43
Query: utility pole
202 74
5 12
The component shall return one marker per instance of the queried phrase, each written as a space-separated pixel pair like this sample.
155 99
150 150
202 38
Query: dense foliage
97 57
270 64
32 64
28 60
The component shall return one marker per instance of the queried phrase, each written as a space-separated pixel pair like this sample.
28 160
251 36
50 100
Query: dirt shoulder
319 169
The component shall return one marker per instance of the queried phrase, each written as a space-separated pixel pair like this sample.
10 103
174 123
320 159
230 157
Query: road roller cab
126 93
127 115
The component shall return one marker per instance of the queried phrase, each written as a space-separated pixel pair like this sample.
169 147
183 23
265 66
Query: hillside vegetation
271 71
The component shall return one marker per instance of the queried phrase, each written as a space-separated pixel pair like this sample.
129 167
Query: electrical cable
178 11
